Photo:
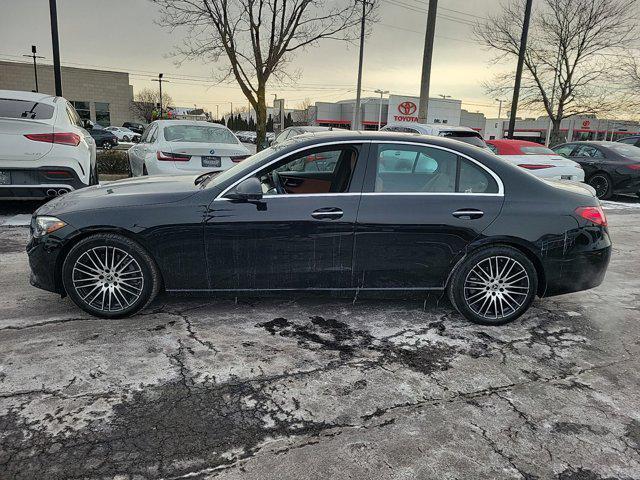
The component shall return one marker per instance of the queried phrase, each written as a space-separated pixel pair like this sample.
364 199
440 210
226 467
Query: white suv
44 149
463 134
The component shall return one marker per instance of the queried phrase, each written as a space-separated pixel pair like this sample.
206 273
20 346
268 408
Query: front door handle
470 213
328 213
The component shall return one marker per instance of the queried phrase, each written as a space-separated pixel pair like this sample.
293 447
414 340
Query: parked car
610 167
463 134
631 140
177 147
124 134
540 160
134 127
44 150
457 220
103 137
291 132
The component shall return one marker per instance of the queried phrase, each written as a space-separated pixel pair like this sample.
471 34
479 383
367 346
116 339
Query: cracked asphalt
312 387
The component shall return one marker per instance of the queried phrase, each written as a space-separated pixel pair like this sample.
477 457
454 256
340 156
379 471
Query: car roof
316 128
29 96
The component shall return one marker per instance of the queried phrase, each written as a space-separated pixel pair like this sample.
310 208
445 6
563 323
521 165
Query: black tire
144 170
107 145
602 184
130 170
469 293
83 261
94 178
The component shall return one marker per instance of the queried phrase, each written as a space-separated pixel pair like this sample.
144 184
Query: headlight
42 226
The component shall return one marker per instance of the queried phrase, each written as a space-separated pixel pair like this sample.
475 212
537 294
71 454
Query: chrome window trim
498 180
429 145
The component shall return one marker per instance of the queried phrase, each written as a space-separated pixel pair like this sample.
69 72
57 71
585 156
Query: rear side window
416 169
12 108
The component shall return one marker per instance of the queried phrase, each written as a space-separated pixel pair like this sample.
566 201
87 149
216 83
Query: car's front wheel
110 276
125 138
494 285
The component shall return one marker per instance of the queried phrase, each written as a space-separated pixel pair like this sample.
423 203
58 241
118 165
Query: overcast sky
122 35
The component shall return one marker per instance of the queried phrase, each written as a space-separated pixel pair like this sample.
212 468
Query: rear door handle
470 213
328 213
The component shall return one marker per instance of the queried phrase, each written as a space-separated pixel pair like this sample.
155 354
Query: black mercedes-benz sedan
344 212
609 167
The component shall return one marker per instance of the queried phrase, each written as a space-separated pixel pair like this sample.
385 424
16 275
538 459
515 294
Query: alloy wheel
600 184
496 287
108 278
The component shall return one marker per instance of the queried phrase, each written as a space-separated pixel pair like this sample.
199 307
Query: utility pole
160 80
35 68
521 54
55 43
356 113
426 61
381 92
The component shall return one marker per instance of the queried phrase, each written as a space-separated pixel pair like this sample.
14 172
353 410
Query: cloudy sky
122 35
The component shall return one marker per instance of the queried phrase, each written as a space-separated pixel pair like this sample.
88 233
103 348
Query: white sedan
538 159
123 134
178 147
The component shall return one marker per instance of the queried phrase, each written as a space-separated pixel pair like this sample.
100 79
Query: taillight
72 139
593 214
172 157
635 166
239 158
533 166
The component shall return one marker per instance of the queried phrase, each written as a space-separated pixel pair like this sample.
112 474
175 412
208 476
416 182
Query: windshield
537 151
628 151
243 167
198 134
472 138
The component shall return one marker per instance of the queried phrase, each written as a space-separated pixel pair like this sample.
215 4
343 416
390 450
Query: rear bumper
629 185
38 183
583 266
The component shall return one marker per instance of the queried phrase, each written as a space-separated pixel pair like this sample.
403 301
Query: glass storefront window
102 114
82 108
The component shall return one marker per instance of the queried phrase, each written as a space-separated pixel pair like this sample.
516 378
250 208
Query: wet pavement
315 387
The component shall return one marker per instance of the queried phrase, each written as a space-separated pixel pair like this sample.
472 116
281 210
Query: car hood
124 193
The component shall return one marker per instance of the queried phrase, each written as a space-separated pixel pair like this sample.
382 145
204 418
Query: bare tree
258 38
572 52
145 103
302 112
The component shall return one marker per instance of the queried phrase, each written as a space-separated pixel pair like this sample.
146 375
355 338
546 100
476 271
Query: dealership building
102 96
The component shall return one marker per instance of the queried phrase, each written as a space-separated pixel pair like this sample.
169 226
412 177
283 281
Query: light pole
356 113
521 54
55 43
160 80
381 92
35 68
499 107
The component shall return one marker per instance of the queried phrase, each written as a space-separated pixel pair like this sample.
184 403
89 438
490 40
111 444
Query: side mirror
249 189
87 124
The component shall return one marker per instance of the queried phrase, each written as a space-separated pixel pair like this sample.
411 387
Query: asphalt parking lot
311 387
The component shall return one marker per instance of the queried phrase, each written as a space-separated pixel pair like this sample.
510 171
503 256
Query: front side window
199 134
587 151
418 169
315 171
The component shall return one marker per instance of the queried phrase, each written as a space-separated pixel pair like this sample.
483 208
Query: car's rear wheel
110 276
601 183
494 285
107 145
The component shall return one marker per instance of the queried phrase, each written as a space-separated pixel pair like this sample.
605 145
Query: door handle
470 213
328 213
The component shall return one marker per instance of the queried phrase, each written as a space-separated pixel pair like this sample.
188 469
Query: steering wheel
275 177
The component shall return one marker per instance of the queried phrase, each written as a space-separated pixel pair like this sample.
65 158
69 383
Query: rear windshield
472 138
12 108
628 151
198 134
537 151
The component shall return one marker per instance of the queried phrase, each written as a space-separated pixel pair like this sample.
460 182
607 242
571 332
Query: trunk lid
555 160
14 146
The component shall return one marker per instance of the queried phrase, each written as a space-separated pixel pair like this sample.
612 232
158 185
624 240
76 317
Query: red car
540 160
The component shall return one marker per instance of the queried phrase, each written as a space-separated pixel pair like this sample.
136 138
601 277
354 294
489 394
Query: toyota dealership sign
404 109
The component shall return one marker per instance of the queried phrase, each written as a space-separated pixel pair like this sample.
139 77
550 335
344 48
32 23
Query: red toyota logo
407 108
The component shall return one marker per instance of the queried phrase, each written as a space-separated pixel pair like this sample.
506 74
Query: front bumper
45 260
39 183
